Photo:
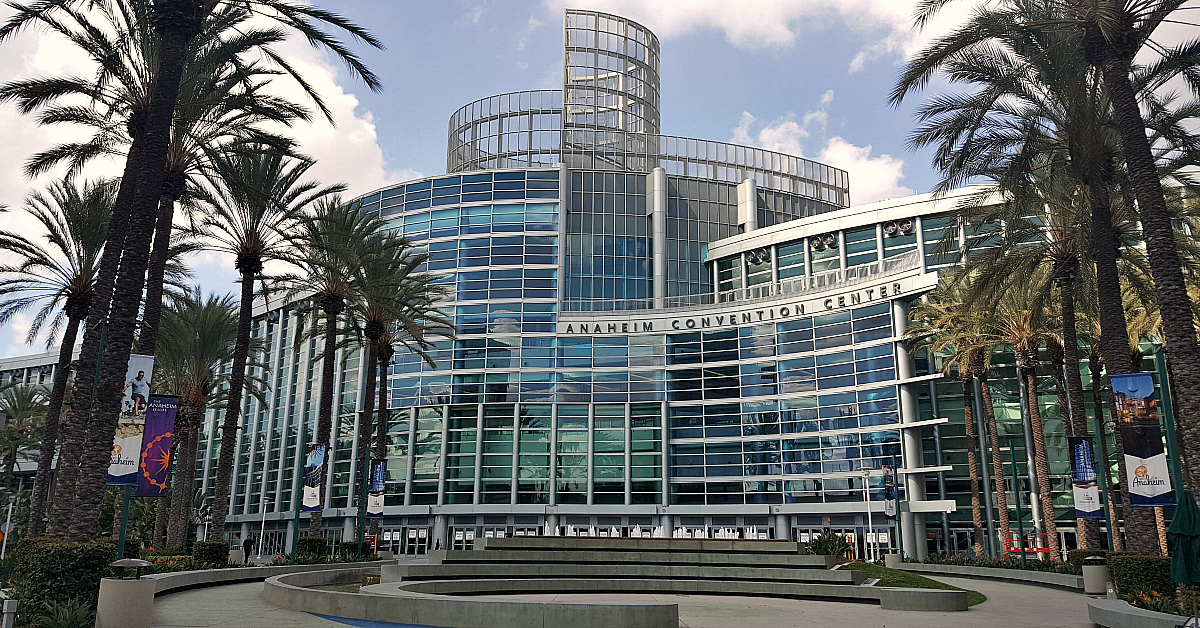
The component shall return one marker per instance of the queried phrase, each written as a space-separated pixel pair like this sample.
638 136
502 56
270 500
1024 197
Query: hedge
1132 572
212 553
312 546
1075 557
46 571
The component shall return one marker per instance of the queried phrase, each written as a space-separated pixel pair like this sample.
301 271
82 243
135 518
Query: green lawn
903 579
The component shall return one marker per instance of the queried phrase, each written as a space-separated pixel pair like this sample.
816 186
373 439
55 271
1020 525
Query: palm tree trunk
364 430
233 405
159 537
1179 328
1114 343
127 292
325 410
41 482
1042 464
1088 530
190 415
1141 535
75 420
972 469
1105 466
997 463
154 274
381 424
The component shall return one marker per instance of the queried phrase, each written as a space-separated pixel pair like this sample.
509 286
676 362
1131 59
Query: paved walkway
1008 606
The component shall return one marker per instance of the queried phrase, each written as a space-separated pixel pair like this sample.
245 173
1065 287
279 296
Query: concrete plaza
1008 606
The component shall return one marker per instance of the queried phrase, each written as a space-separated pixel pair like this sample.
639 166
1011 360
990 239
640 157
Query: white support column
628 456
879 242
591 453
912 524
478 484
441 489
656 207
516 453
412 455
554 457
920 241
841 240
747 193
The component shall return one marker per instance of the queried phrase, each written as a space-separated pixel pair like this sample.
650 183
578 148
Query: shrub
1008 562
1075 557
1133 572
211 553
165 564
829 544
47 571
1154 601
351 547
312 546
66 614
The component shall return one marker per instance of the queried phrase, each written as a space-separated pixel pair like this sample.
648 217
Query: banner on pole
1146 466
1083 479
312 478
1133 394
375 492
154 468
131 424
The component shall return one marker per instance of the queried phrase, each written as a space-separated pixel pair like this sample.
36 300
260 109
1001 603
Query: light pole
866 473
263 530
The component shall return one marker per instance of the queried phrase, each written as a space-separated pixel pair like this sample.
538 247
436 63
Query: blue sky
806 77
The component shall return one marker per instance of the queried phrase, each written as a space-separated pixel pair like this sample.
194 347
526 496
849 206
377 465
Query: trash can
126 602
1095 575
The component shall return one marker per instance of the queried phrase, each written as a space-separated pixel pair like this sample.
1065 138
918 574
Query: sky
805 77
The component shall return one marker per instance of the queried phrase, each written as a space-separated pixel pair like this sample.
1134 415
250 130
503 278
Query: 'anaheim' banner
1146 466
155 464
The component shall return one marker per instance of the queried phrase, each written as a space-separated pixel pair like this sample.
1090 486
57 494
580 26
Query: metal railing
840 278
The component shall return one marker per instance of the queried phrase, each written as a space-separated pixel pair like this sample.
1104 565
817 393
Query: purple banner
155 466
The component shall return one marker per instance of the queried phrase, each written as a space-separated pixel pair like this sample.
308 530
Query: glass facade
628 353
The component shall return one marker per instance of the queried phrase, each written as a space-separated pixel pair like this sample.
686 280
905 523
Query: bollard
125 603
8 616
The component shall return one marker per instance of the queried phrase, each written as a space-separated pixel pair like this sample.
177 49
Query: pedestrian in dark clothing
248 548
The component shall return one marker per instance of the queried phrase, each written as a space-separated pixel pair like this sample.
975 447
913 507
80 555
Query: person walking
248 548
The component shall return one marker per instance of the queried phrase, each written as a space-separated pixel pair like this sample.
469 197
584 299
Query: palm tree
1037 114
391 295
945 324
199 338
330 247
253 197
1107 35
113 315
24 410
57 277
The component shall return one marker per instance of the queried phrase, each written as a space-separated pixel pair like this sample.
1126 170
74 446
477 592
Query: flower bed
1008 562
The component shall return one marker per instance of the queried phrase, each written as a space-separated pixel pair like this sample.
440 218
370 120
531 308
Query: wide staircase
550 564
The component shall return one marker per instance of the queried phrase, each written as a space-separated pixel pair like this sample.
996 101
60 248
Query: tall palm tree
391 295
58 277
946 326
24 410
252 198
330 247
199 337
1108 35
178 24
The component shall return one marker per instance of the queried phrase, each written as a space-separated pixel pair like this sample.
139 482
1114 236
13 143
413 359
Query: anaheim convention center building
652 331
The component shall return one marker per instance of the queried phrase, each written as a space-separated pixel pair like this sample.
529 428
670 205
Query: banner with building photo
1133 394
131 424
375 490
1083 479
1146 466
155 465
312 478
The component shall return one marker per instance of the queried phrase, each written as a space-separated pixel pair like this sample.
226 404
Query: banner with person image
127 444
312 478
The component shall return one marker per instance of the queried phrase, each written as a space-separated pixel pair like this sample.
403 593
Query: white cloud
871 178
348 152
784 134
779 24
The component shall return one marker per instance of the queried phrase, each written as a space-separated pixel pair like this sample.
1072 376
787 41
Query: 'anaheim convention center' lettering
738 317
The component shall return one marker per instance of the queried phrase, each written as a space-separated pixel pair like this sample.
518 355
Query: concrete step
629 572
840 592
725 546
621 556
